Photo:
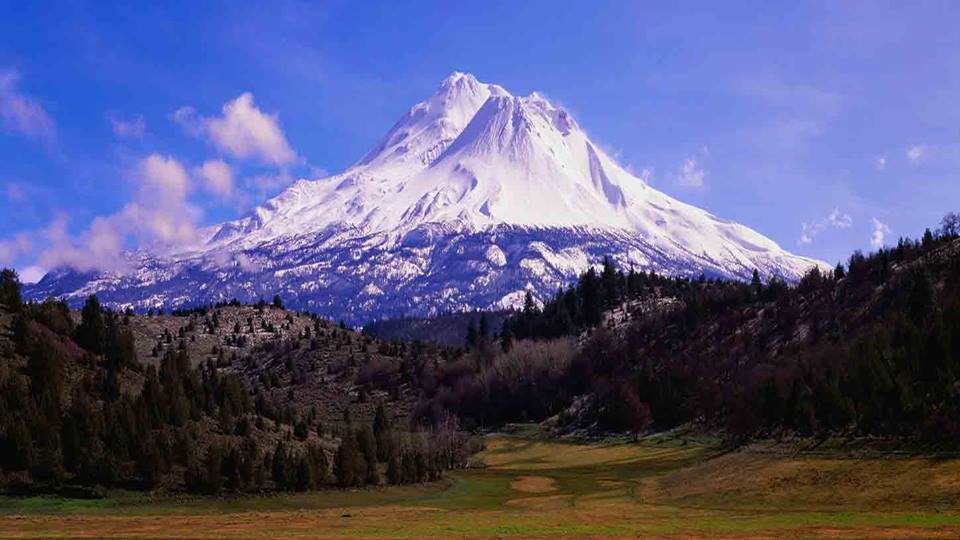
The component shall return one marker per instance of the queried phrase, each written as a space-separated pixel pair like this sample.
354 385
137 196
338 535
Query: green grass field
536 488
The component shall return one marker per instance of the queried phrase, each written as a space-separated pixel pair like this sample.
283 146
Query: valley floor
666 487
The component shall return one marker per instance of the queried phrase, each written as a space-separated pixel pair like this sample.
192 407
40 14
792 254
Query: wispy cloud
691 176
836 220
263 185
797 112
133 128
646 175
22 114
839 219
186 117
880 231
916 153
243 131
13 248
217 177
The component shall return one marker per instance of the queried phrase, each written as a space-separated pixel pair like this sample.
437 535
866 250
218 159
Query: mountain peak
426 130
472 157
472 197
457 76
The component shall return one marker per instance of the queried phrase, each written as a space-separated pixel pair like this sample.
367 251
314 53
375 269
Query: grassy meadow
664 487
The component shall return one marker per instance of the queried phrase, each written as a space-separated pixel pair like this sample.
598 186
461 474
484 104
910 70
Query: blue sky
828 126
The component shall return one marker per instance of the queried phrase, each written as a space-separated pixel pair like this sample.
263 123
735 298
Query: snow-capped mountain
472 197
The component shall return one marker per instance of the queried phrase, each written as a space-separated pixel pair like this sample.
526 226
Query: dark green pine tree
382 433
591 297
306 474
472 336
92 331
368 449
280 467
10 290
484 333
394 467
506 338
756 285
318 458
529 304
120 349
45 367
213 465
345 461
610 283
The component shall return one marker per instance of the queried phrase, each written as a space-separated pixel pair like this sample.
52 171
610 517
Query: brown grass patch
534 484
813 482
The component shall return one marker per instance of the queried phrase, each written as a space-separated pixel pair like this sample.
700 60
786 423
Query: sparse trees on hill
78 409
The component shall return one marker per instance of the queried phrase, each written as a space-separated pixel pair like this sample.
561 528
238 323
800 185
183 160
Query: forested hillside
871 348
226 398
449 329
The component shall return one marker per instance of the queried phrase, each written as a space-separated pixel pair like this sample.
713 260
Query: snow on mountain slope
472 196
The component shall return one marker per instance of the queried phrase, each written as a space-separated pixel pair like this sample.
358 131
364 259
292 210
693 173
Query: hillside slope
871 349
227 398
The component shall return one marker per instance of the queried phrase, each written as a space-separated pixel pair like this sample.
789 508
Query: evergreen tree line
872 348
583 305
366 456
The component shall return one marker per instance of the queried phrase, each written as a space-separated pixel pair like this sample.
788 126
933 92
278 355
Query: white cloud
128 129
160 211
217 177
159 214
690 175
881 163
186 117
317 172
839 219
98 248
243 131
265 185
915 153
880 230
246 263
31 274
13 248
806 234
22 115
836 220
